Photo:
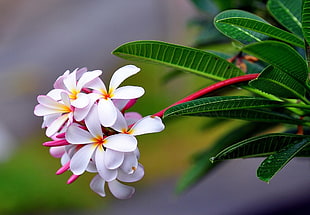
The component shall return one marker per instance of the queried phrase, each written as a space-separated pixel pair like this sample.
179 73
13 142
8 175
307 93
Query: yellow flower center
74 94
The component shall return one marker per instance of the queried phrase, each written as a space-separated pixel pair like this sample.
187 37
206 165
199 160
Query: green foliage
287 13
277 95
201 162
279 83
234 107
306 21
281 56
263 145
275 162
243 35
179 57
261 27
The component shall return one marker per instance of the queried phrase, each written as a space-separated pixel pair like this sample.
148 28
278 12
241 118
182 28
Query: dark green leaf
179 57
304 152
263 145
243 35
282 57
288 13
278 83
201 163
306 20
233 107
264 28
275 162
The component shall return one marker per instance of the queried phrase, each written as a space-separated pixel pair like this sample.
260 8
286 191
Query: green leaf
275 162
233 107
288 13
306 20
179 57
305 152
243 35
201 162
263 145
282 57
264 28
278 83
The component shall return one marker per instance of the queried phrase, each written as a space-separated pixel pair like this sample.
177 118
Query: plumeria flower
73 84
91 130
145 125
108 151
61 111
118 189
107 109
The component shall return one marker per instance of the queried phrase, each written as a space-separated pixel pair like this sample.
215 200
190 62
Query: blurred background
40 39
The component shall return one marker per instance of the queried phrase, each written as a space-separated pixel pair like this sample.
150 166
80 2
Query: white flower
145 125
107 109
118 189
108 151
59 112
91 130
73 84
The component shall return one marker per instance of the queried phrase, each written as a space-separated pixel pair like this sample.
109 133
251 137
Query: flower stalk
209 89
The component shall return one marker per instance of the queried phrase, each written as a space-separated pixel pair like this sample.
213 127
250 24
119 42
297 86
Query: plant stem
210 89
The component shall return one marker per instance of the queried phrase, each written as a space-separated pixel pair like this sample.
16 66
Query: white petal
128 92
120 124
51 103
59 84
41 110
49 119
130 163
121 142
121 74
77 135
57 151
70 81
72 149
136 176
80 72
92 122
148 124
107 112
65 98
81 101
92 166
120 190
55 94
81 158
120 103
97 185
81 113
56 125
88 77
96 84
106 174
137 153
132 117
113 159
64 159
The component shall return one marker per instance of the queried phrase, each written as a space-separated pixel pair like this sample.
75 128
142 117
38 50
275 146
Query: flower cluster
92 131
